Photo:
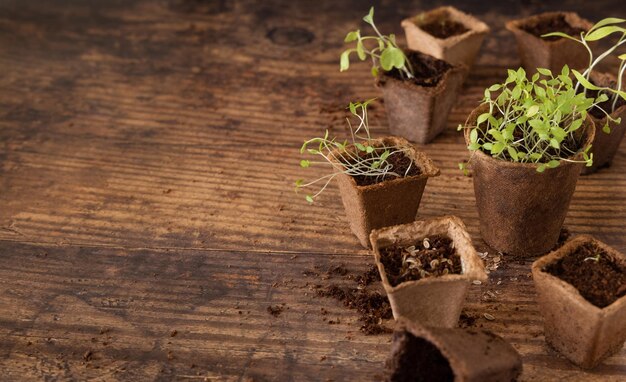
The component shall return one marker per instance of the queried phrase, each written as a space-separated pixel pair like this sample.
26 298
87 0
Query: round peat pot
584 333
538 52
460 48
605 146
436 300
450 354
390 202
521 211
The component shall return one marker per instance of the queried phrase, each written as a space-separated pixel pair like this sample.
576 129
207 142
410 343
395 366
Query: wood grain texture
147 155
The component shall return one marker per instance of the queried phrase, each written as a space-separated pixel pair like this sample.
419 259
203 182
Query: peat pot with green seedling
528 140
581 289
381 181
610 114
419 90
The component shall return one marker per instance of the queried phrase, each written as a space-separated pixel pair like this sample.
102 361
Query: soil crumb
275 310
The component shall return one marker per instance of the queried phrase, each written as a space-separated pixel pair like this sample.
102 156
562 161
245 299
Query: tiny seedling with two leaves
362 156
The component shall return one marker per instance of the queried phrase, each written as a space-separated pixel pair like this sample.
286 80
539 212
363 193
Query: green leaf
385 155
488 146
299 183
344 62
351 36
554 143
607 21
309 198
545 72
606 129
304 163
558 34
603 32
576 124
622 56
360 51
495 87
512 153
541 168
369 18
584 82
474 136
553 163
534 109
352 108
369 149
375 165
482 118
359 146
565 71
391 58
497 148
473 146
375 71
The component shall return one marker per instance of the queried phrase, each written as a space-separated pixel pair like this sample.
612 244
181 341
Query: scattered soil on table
601 281
428 70
443 28
275 310
415 359
554 24
402 165
430 257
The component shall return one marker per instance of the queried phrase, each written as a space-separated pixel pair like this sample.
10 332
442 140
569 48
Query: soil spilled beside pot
427 69
443 28
598 278
417 360
430 257
402 165
549 25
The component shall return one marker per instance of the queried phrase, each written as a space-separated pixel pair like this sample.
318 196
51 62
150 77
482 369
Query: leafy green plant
383 51
362 156
602 29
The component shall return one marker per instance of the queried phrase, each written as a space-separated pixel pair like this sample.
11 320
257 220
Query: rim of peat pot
471 355
442 48
587 334
390 202
572 18
401 294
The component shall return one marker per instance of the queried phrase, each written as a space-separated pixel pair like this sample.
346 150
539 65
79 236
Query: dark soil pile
600 282
443 28
427 69
555 24
275 310
415 359
438 259
400 162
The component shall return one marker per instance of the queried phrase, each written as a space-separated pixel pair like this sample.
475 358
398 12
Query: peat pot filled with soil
375 202
521 210
421 354
447 34
426 268
550 52
581 289
605 145
417 108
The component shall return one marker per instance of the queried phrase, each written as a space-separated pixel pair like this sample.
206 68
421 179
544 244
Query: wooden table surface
147 215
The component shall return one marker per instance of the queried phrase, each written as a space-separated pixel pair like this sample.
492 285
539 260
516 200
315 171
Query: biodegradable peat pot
439 354
538 52
390 202
458 47
605 146
416 112
521 211
581 331
432 301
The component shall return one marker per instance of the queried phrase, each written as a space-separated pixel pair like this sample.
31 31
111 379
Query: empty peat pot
455 355
584 333
521 211
434 300
389 202
552 52
446 33
417 109
605 146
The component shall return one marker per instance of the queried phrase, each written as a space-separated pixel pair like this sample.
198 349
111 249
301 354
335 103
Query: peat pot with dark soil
605 146
375 203
551 52
581 290
426 268
447 34
421 354
521 211
417 108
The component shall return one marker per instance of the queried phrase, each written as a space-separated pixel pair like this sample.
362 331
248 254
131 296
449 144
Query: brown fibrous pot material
390 202
521 211
420 113
420 353
537 52
431 301
581 331
457 49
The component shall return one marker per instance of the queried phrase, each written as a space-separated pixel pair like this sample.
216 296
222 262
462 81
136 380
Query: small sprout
595 258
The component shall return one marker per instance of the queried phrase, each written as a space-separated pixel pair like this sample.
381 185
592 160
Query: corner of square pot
434 301
581 331
458 49
375 206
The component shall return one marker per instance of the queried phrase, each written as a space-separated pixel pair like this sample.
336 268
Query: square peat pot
456 48
390 202
416 112
431 301
581 331
538 52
